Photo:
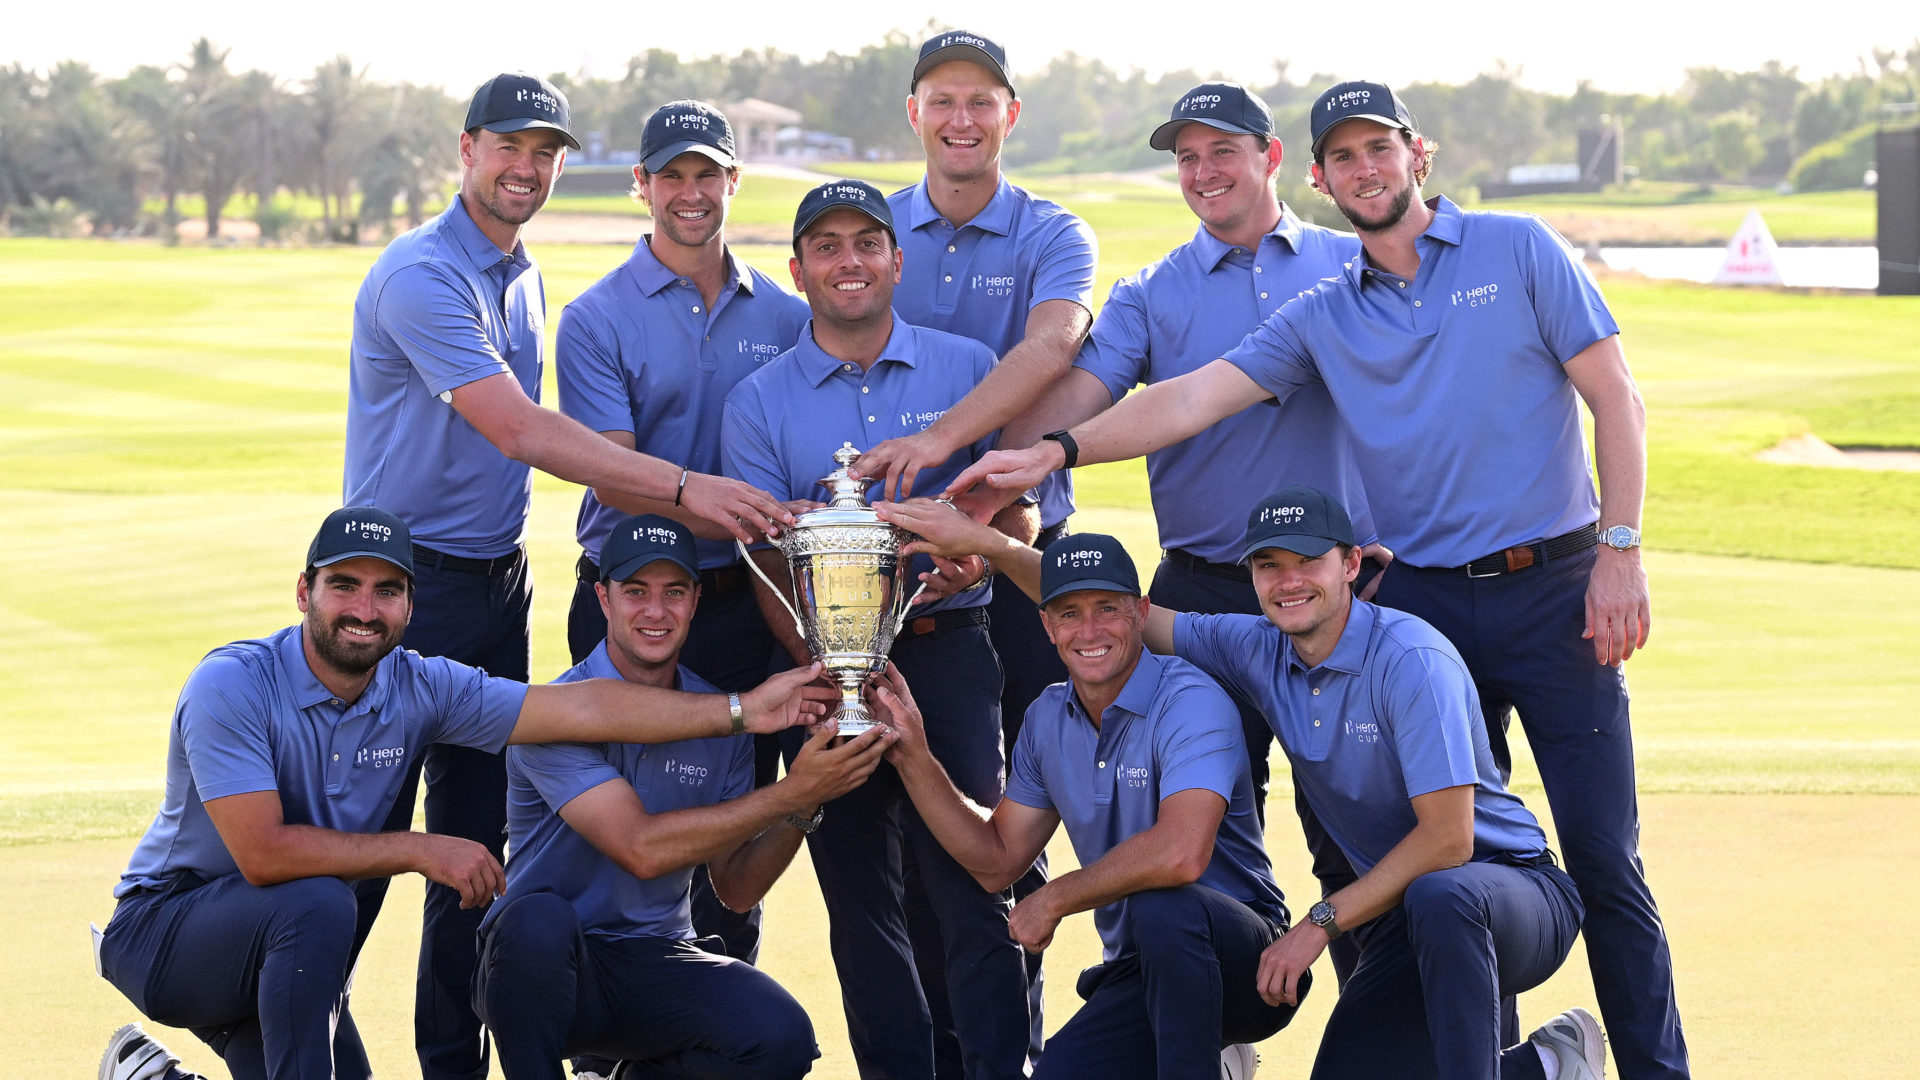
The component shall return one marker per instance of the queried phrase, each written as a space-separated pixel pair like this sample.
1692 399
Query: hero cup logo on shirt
993 284
760 351
685 772
920 421
1362 731
1135 776
1478 296
385 757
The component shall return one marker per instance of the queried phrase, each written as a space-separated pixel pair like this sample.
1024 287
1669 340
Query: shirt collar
483 253
306 687
652 275
1212 250
816 364
598 665
1136 697
996 217
1446 227
1350 652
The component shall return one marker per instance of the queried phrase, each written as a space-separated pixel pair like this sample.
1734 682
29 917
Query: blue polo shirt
1390 714
1171 729
442 307
640 352
546 855
983 279
1183 313
1466 427
252 717
783 423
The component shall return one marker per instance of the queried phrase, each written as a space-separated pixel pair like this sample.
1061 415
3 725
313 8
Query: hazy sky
1640 45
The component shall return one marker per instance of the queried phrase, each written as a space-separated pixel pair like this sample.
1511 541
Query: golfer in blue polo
1140 757
1459 349
593 948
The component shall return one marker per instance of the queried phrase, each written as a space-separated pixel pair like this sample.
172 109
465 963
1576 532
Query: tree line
78 150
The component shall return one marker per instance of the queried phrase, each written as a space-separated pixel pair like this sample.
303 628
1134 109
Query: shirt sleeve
1202 747
1065 268
739 780
592 379
432 315
1227 648
562 772
1430 712
222 721
471 708
1115 351
1566 300
1275 355
1026 780
746 445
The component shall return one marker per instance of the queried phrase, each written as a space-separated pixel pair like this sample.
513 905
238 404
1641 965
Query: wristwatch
1321 915
1067 446
1620 537
807 825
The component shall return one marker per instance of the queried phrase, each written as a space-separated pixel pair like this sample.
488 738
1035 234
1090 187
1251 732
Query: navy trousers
1166 1009
861 853
1426 998
667 1008
1178 587
1520 636
478 619
258 973
729 645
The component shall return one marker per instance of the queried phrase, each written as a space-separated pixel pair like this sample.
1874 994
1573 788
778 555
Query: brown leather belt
718 581
1526 555
942 621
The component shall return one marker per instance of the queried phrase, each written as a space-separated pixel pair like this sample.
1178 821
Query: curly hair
1428 149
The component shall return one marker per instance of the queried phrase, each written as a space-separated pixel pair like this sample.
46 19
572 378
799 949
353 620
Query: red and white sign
1750 255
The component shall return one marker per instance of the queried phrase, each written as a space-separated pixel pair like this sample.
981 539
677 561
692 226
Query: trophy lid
846 493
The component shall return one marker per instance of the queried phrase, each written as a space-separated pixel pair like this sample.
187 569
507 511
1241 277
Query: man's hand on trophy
738 507
823 771
899 461
951 576
892 704
943 530
1011 470
792 697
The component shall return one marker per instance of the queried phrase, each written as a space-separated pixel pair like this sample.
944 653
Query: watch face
1621 537
1320 914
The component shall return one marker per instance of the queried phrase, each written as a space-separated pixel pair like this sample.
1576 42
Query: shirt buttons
949 277
696 309
1259 270
336 702
866 389
336 757
1316 723
846 367
1416 303
1103 764
1316 691
950 248
870 420
1263 296
1403 284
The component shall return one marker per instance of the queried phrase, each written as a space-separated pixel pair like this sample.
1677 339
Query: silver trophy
851 586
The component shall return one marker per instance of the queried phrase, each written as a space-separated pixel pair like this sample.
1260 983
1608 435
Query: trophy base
854 720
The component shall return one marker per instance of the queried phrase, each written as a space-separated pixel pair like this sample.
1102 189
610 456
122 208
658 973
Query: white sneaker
1238 1061
132 1054
1576 1043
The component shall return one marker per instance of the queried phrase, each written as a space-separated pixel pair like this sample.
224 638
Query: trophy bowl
849 585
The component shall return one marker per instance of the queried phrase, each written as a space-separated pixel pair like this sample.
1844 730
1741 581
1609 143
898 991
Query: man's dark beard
1402 202
328 644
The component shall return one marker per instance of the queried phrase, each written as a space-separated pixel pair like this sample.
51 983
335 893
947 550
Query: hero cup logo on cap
1082 561
646 538
1284 514
1227 107
681 126
353 532
537 99
961 45
515 101
1300 519
1357 101
855 194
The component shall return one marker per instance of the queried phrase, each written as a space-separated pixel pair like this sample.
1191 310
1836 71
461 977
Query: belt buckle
1488 574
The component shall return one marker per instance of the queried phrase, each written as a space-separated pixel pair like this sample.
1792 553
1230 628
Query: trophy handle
772 588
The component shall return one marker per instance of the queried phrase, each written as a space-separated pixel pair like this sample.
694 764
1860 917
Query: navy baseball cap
354 532
1357 100
961 45
1227 106
1081 561
516 101
834 194
645 538
1300 519
680 126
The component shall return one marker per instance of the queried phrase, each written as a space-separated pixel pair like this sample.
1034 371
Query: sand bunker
1815 451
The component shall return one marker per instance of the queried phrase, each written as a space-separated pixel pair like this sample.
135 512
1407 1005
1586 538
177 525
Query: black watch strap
1067 445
